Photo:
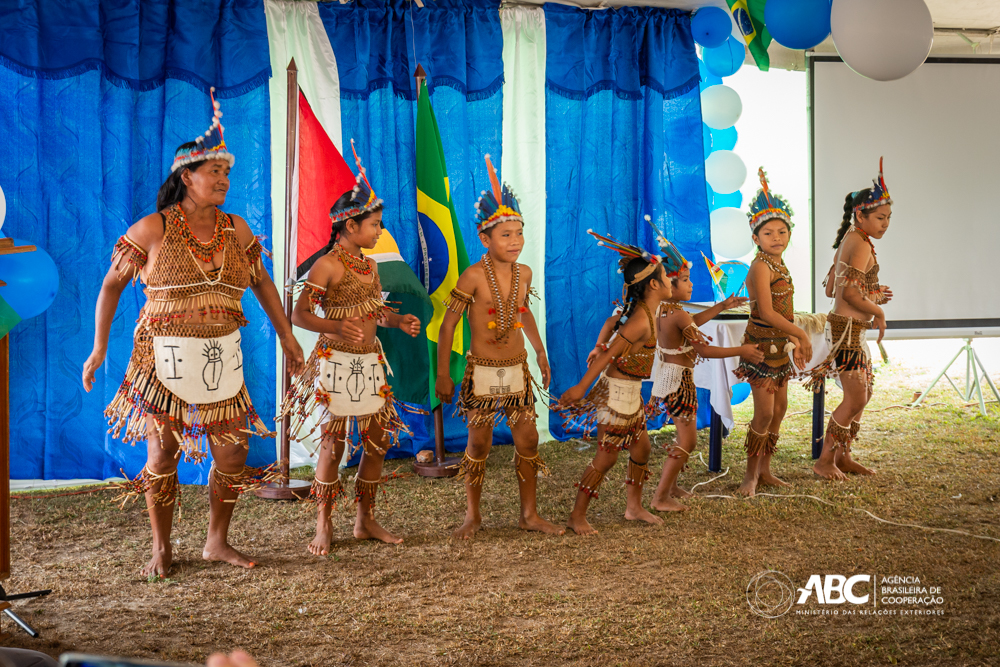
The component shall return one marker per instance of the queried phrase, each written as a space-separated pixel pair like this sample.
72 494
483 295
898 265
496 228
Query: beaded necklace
506 311
868 240
779 269
359 265
203 251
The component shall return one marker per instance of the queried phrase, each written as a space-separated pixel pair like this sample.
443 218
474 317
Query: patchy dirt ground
632 595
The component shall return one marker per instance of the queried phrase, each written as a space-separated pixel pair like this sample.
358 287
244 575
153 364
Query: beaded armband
458 301
314 292
128 258
692 333
254 253
532 293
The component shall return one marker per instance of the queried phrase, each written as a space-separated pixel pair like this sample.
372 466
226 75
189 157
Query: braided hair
345 201
850 201
173 191
634 292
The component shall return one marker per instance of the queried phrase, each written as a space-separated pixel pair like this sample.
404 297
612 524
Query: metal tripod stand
973 381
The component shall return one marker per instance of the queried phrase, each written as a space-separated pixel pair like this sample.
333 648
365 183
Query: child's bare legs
667 489
229 459
526 460
161 459
639 455
366 487
838 428
328 471
764 475
763 413
843 458
593 476
478 448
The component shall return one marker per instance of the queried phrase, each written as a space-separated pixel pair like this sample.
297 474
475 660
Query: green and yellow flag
749 16
444 256
8 318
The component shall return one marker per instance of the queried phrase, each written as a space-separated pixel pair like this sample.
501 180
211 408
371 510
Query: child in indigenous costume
680 345
345 376
614 404
497 384
773 330
184 388
857 308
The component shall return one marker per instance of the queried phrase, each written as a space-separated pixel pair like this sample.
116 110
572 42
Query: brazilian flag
749 16
444 256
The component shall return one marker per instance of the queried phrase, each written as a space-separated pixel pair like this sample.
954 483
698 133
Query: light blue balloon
711 26
32 281
706 137
741 391
710 194
724 140
798 24
730 200
725 60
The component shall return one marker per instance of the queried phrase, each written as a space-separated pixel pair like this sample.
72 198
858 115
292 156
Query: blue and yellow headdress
673 261
498 205
879 195
768 206
211 146
363 197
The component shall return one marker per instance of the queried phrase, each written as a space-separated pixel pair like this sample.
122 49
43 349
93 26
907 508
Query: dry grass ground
634 594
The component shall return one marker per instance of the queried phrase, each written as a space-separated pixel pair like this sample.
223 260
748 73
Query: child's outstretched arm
602 338
633 332
322 273
760 276
531 333
730 302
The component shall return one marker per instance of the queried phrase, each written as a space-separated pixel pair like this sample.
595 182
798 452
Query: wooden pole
288 489
5 457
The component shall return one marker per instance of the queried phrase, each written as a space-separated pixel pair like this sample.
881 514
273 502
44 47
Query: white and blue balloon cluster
32 278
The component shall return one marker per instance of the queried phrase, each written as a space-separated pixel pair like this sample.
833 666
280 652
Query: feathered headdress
498 205
629 252
210 146
673 261
768 206
879 195
363 197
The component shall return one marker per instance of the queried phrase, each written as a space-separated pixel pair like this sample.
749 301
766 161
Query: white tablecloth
716 375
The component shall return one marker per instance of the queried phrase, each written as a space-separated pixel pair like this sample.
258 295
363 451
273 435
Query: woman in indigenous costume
857 308
345 384
184 390
773 330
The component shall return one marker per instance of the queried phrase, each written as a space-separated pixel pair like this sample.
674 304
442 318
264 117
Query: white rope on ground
827 502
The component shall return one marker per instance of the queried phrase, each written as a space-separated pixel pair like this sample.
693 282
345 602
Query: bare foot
767 479
678 492
580 526
468 529
748 488
668 505
643 515
536 522
226 554
367 528
829 471
320 546
159 564
847 464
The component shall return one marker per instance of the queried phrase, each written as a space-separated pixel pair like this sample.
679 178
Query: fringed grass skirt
849 354
616 404
776 369
681 400
494 389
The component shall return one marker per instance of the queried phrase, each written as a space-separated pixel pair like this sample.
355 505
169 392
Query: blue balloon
741 390
730 200
798 24
708 81
710 193
32 281
706 137
724 140
725 60
711 26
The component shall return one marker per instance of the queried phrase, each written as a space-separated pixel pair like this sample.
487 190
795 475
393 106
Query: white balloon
730 233
725 171
882 39
3 208
720 107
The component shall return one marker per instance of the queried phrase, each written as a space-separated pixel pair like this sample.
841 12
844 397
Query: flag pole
441 466
288 489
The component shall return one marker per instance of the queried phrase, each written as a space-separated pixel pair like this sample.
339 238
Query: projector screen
939 130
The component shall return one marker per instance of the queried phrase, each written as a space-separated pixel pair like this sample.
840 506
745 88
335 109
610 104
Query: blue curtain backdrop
459 43
623 139
94 98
